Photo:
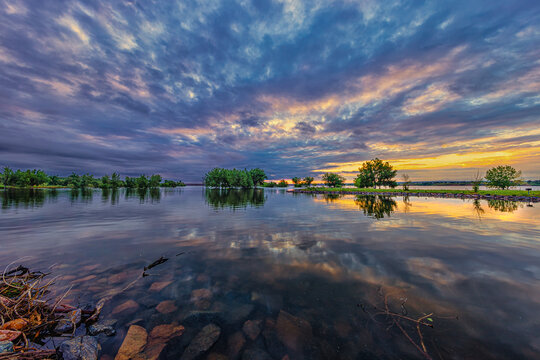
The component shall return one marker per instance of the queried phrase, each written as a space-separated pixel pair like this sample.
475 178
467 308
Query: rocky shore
424 194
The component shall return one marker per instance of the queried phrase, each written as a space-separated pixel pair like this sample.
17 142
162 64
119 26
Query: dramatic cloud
295 87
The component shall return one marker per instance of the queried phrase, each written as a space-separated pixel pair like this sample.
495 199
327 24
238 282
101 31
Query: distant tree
406 182
502 177
308 180
282 183
142 182
270 184
477 181
154 181
74 180
130 182
8 176
333 180
105 181
375 173
258 176
55 180
115 180
297 181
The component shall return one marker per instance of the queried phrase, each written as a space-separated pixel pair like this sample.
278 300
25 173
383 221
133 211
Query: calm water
313 272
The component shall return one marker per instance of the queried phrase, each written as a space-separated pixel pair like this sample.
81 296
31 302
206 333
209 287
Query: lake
296 275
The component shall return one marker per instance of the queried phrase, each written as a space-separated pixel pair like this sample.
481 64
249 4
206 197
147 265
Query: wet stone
202 342
6 347
127 307
80 348
201 317
133 343
106 327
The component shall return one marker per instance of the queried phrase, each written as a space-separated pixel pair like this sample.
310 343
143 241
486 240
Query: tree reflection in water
234 198
27 198
503 205
375 205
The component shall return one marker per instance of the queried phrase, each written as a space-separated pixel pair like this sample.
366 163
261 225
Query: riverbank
510 195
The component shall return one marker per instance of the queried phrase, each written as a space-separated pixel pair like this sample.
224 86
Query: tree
115 180
296 181
375 173
154 181
333 180
308 180
477 180
7 176
105 181
283 183
502 177
142 182
406 182
258 176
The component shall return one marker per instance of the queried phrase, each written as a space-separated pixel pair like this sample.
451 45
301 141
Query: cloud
294 87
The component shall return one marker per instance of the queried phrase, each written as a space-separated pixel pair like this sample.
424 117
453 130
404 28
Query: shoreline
452 194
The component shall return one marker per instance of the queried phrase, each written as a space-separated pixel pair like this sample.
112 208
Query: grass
412 191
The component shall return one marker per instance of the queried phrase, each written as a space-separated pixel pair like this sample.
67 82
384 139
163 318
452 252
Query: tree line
234 178
377 173
31 178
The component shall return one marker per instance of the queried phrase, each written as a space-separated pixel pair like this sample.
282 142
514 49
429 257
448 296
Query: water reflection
307 268
376 206
503 205
27 198
234 198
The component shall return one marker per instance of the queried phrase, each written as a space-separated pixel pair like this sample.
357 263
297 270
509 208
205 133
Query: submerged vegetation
234 178
38 178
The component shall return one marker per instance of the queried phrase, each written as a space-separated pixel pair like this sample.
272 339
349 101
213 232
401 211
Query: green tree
105 181
282 183
8 176
130 182
308 180
333 180
406 182
297 181
142 182
375 173
502 177
258 176
115 180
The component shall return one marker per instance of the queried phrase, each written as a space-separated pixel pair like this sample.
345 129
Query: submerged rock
133 344
202 342
256 354
80 348
127 307
252 328
6 347
105 327
166 307
293 331
235 344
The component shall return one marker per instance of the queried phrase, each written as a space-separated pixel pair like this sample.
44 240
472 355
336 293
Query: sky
440 89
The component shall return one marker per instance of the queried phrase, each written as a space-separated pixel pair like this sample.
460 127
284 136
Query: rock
133 343
159 285
273 344
293 331
235 344
166 307
6 347
216 356
238 313
252 328
127 307
201 316
9 335
202 342
17 324
63 326
256 354
80 348
167 331
200 294
105 327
